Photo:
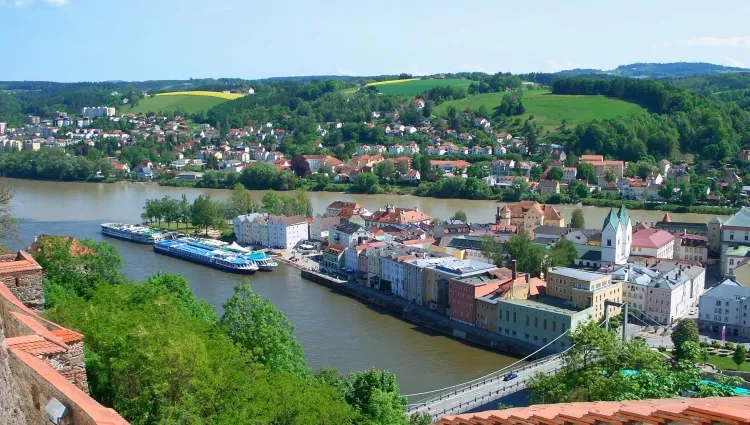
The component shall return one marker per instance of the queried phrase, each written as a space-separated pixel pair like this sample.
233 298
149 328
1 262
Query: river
334 330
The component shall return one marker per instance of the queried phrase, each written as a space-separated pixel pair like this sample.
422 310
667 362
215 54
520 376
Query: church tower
627 237
612 231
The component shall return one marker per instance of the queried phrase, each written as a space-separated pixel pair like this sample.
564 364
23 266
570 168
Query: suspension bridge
478 392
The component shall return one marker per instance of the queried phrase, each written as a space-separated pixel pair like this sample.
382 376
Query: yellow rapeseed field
380 83
228 96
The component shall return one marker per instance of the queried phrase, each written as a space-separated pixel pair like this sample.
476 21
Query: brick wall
39 360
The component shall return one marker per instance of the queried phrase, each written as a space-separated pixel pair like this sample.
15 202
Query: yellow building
585 289
528 215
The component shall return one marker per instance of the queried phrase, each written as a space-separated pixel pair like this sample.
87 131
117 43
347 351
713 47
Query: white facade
691 253
99 111
394 271
617 237
726 304
245 232
286 232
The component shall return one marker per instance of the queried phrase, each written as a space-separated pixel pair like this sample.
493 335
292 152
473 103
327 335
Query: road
478 393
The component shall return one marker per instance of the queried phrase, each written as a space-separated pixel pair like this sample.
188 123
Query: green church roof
611 218
624 216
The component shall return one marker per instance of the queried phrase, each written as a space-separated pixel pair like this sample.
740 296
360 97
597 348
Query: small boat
135 233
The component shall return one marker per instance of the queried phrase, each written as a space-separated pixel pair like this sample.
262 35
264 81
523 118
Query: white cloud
56 2
22 3
732 41
734 62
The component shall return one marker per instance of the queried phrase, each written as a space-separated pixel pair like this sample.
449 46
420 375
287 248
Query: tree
536 173
586 172
555 173
240 203
256 325
563 253
666 191
184 208
8 225
204 212
686 330
740 355
300 166
609 176
578 221
170 209
376 394
529 255
385 170
459 215
366 183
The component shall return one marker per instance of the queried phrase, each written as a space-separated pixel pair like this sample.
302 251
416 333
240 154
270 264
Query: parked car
509 377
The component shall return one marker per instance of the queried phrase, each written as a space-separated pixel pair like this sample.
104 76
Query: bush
703 344
729 346
662 349
715 344
723 354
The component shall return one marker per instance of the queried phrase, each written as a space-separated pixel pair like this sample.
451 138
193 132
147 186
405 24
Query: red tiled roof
651 238
34 344
727 410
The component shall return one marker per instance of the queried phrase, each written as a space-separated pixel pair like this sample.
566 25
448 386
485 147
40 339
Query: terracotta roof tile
67 336
729 410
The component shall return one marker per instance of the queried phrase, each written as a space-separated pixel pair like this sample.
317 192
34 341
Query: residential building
664 291
144 173
346 209
691 247
677 227
725 306
463 293
32 119
348 234
243 228
734 232
549 187
653 243
190 175
99 111
733 257
393 268
399 217
540 321
602 166
585 289
320 227
741 274
528 215
287 232
316 161
333 257
3 126
569 174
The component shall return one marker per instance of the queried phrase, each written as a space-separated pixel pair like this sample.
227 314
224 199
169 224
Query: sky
97 40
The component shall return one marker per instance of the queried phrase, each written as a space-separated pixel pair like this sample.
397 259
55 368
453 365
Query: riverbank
422 317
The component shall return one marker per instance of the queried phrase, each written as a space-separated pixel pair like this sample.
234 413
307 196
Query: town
658 269
174 150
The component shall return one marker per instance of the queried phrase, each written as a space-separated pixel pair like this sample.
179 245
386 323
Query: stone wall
11 411
27 286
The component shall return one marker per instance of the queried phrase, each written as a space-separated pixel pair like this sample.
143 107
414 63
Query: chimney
514 269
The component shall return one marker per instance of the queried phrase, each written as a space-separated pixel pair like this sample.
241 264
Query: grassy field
549 110
191 102
727 363
414 87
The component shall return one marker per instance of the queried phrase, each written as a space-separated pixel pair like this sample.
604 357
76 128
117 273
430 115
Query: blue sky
93 40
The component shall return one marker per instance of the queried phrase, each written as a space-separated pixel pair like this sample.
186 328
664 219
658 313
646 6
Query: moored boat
198 252
135 233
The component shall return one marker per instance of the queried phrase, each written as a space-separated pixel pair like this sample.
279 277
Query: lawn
549 110
186 228
727 363
191 102
414 87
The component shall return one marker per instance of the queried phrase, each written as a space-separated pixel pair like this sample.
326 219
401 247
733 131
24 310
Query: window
536 322
544 324
527 336
527 320
554 326
514 319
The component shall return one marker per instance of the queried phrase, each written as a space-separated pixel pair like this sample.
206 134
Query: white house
348 234
243 228
286 232
320 227
726 305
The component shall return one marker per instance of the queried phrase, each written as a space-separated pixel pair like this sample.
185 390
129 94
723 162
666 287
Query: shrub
703 344
662 349
729 346
723 354
715 344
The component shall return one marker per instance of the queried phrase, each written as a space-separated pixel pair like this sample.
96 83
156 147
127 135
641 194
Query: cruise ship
135 233
207 252
261 259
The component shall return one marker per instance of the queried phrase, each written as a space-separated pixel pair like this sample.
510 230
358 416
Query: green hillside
189 103
415 87
549 110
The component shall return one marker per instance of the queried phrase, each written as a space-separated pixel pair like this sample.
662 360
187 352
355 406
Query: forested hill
657 70
680 120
